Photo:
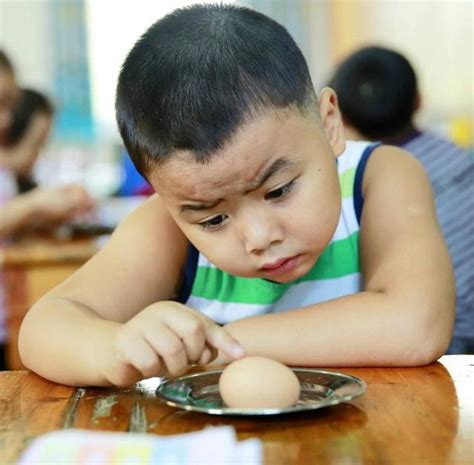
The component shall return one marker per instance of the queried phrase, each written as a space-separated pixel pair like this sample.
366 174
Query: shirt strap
359 176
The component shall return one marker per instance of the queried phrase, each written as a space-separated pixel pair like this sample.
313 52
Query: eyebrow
278 165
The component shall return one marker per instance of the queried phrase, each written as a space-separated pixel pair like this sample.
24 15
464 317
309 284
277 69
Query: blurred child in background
31 103
25 122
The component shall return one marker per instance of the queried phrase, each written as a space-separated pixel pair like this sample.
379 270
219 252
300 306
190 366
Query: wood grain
409 416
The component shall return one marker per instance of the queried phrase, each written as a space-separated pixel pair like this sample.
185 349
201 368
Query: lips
282 265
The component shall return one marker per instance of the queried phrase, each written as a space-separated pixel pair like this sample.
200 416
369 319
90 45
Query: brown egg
258 382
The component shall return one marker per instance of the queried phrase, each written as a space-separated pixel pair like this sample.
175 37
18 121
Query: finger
123 374
220 339
209 355
193 336
205 356
170 348
138 353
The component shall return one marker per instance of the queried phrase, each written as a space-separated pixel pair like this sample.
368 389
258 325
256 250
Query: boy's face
266 205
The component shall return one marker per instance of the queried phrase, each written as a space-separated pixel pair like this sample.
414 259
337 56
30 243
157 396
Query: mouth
281 266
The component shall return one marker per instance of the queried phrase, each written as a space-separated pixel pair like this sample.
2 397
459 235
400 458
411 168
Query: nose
259 231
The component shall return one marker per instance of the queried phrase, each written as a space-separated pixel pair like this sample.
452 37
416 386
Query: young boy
255 224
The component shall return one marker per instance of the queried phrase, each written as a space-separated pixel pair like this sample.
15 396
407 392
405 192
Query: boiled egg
258 382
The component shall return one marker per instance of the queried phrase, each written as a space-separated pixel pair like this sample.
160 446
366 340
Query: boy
216 107
379 97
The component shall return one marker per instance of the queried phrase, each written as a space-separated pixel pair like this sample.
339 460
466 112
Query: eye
280 192
213 223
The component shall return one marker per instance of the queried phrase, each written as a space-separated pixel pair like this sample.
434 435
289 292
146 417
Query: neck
402 136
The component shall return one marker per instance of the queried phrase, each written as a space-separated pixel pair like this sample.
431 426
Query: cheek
314 219
219 248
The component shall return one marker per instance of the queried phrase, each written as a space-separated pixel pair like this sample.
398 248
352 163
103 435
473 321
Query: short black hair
377 90
30 103
198 73
5 63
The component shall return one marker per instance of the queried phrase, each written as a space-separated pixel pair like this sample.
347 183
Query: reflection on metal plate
200 392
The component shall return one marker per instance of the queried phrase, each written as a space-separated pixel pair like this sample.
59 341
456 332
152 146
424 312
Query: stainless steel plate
200 392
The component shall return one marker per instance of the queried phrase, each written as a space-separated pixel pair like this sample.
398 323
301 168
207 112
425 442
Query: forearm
16 214
67 343
364 329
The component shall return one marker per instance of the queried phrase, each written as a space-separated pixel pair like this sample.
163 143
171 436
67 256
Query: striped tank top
224 297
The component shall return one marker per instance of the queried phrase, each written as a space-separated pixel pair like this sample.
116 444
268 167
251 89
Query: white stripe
224 312
351 156
348 223
299 295
203 261
314 292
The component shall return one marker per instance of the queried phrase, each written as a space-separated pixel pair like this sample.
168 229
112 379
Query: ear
332 120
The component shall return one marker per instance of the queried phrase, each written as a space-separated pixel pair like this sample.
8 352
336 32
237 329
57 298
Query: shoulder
150 213
150 229
141 263
391 168
398 200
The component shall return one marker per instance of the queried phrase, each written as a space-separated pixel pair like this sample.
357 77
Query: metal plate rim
362 388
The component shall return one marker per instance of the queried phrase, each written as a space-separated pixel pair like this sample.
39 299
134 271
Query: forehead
255 146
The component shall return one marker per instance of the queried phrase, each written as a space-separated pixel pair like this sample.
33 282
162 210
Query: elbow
24 342
31 339
424 354
431 334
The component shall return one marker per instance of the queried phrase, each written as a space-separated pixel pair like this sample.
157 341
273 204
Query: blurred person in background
25 121
30 104
379 97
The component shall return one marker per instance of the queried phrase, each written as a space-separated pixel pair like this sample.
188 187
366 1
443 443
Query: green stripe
340 258
346 180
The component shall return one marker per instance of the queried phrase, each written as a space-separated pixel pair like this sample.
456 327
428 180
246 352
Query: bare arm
16 214
405 314
73 323
112 321
42 207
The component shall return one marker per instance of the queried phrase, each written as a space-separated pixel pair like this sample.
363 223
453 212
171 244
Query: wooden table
408 416
30 268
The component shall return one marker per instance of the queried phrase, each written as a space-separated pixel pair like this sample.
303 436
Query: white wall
24 35
109 42
437 35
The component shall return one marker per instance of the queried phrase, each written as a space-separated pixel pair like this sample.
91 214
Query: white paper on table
211 446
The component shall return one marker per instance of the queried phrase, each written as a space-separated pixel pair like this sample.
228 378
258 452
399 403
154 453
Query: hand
59 204
165 339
